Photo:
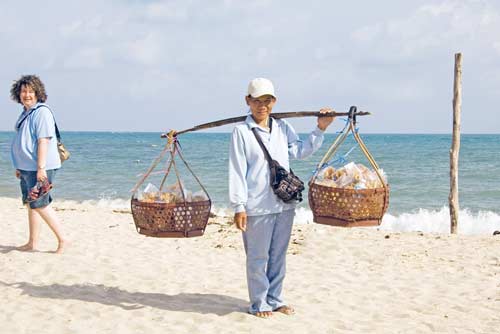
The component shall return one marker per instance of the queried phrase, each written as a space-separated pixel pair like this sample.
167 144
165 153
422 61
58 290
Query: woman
35 157
265 220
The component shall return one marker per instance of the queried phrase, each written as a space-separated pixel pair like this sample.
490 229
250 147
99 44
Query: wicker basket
183 219
171 220
348 207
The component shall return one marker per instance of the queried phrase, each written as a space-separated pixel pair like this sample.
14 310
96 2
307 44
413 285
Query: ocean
104 167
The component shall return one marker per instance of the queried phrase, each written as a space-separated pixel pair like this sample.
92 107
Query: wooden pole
455 145
278 115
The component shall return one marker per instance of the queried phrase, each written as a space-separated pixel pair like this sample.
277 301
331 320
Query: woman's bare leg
34 220
49 216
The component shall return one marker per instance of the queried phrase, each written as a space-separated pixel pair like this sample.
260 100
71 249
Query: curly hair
32 81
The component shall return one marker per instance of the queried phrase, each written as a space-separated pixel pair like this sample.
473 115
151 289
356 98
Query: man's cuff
318 131
239 208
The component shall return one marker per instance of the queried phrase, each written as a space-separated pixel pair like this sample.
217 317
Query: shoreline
422 220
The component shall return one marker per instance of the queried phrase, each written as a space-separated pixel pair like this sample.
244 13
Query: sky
131 65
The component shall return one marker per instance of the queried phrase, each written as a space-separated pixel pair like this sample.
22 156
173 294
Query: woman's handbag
63 151
286 185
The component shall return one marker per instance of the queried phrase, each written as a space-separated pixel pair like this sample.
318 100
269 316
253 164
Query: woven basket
348 207
171 220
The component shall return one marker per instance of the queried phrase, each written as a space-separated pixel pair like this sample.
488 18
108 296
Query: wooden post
455 145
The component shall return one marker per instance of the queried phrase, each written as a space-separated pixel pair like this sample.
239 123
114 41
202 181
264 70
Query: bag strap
262 146
58 135
18 126
267 155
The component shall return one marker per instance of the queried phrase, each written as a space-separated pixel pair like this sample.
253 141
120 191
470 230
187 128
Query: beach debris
496 233
350 176
387 236
126 211
56 208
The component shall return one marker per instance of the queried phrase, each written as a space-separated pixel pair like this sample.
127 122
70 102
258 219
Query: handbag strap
18 126
58 135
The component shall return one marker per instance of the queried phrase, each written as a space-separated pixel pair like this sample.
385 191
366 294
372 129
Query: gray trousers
266 242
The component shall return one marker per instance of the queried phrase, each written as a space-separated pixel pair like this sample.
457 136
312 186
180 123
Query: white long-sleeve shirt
249 174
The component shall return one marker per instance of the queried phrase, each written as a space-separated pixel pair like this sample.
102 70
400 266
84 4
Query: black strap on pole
353 113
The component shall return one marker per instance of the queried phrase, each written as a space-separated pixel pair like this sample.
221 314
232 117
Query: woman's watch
41 167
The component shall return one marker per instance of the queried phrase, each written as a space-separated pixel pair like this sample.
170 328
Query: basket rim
346 190
335 221
135 201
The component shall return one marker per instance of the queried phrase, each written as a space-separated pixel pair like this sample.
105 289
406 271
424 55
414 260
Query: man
265 220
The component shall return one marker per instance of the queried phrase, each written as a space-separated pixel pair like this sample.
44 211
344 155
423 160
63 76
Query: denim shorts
28 181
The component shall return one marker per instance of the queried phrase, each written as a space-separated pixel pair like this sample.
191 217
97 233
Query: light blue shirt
249 174
24 149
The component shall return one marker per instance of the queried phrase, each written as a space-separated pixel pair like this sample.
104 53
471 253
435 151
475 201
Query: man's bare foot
288 310
62 246
264 314
26 248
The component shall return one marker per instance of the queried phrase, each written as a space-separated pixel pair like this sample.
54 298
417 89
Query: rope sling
166 216
342 206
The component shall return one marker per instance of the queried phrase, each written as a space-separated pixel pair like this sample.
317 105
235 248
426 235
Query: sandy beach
113 280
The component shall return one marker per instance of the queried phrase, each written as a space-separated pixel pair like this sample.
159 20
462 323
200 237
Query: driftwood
455 146
274 115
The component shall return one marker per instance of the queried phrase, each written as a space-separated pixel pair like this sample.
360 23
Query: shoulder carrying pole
274 115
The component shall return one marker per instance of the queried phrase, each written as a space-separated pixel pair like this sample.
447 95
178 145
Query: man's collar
252 124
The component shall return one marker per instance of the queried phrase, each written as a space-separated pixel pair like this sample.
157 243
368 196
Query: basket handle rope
350 126
168 171
152 167
172 162
332 149
194 175
367 154
173 147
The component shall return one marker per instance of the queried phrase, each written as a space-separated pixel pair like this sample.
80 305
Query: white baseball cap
260 86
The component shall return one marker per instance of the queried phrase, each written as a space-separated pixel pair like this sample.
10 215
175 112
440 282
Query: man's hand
240 219
18 174
324 122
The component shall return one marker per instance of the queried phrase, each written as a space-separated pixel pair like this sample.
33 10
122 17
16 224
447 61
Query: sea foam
423 220
429 221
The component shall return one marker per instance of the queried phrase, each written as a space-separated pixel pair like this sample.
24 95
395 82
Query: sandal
40 189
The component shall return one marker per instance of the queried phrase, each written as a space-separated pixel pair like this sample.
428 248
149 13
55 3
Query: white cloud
496 46
445 7
91 27
368 33
85 58
167 11
147 50
431 27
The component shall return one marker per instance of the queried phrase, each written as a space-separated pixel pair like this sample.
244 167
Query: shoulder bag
286 185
